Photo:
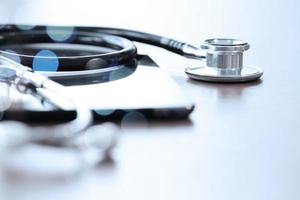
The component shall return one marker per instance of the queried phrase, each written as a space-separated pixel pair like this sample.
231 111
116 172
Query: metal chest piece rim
224 63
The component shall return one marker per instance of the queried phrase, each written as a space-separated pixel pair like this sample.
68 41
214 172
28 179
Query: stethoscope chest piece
224 63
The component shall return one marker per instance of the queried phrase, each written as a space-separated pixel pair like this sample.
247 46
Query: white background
243 141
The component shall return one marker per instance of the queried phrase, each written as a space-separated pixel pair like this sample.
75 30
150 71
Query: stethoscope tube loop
224 57
35 82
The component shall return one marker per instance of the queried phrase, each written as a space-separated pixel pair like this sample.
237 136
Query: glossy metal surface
224 62
247 73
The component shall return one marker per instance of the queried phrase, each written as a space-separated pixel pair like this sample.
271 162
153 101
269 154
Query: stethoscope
86 51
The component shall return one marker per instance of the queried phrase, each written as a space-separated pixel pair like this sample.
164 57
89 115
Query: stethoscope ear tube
169 44
33 83
81 50
224 57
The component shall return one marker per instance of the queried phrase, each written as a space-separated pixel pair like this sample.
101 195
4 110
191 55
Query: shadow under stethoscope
227 91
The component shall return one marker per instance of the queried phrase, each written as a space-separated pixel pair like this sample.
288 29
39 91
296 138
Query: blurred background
262 164
192 20
189 20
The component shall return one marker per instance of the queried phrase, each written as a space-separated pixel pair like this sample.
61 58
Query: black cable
82 51
147 38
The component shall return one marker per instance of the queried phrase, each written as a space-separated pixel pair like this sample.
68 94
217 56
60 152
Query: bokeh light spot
102 136
45 60
134 119
104 112
118 74
96 63
60 34
25 27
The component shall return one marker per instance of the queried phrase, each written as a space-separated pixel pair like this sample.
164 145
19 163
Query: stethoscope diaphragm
224 63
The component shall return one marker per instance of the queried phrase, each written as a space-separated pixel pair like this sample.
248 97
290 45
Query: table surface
241 142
